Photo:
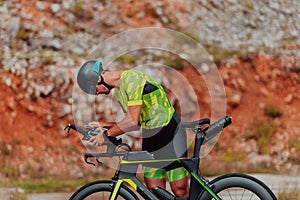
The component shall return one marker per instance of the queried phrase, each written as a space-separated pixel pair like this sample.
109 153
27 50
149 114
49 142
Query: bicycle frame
126 172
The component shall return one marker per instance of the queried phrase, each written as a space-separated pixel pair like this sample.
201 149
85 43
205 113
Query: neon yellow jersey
156 108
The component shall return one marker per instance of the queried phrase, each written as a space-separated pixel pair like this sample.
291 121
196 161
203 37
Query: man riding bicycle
145 104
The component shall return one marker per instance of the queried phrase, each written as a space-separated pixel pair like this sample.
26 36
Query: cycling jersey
137 88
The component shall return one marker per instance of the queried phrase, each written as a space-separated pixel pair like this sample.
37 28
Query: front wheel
238 186
101 190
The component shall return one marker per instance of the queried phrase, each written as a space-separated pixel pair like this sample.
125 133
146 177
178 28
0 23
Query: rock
8 82
235 100
40 5
205 68
264 91
288 99
66 5
55 7
65 110
55 44
46 33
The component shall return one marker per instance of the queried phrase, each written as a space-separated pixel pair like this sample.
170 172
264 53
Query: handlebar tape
214 129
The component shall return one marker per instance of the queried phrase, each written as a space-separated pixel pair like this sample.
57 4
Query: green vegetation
247 3
273 111
4 150
72 149
78 9
294 143
262 133
192 35
8 170
176 63
231 156
33 97
47 56
50 184
23 34
127 59
186 37
18 196
129 14
220 54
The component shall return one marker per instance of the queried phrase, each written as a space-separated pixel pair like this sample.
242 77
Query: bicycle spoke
251 196
243 194
237 193
229 194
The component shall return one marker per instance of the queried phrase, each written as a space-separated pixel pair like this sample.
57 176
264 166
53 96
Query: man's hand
97 140
94 125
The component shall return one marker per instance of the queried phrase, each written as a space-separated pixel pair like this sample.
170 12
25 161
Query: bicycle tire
98 189
238 185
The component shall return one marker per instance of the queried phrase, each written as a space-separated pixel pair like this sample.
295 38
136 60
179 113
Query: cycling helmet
88 76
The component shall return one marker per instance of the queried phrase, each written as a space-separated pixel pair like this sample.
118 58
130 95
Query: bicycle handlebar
84 133
214 129
90 133
195 123
112 142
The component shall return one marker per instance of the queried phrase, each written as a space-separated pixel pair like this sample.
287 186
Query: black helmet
88 76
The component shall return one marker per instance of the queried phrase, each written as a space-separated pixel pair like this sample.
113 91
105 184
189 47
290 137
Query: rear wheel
238 186
101 190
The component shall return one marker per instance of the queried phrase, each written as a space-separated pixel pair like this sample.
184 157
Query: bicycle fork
136 185
127 174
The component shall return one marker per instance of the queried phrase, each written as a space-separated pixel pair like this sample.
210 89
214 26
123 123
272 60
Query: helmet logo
96 67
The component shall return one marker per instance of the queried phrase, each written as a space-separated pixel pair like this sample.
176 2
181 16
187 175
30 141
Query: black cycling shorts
166 142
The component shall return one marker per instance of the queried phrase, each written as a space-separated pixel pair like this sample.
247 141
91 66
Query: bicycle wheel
238 186
101 190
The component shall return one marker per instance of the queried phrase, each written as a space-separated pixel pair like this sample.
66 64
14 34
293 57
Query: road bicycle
125 185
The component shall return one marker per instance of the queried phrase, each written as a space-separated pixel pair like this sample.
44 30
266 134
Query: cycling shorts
167 142
172 175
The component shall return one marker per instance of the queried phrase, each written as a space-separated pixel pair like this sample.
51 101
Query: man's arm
128 123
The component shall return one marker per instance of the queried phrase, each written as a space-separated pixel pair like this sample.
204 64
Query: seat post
199 139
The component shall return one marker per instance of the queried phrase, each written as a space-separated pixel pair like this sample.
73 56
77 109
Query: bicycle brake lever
99 162
86 157
68 127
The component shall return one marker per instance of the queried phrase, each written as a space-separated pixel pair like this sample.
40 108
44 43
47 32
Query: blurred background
254 44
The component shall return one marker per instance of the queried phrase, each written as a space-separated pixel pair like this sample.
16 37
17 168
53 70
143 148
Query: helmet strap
109 87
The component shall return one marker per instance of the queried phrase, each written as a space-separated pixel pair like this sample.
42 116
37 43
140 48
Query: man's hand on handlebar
94 125
98 140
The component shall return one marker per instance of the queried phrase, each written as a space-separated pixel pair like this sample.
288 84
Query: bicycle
227 186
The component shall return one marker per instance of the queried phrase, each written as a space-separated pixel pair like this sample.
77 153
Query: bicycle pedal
163 194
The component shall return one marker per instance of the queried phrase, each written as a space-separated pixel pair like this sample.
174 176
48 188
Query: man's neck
112 78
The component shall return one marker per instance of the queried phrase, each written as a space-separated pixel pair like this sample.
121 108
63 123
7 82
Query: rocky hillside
255 46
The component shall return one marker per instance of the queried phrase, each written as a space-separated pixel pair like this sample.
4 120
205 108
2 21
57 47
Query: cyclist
145 104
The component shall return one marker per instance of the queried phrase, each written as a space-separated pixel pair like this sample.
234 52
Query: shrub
273 111
23 34
262 133
4 149
127 59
